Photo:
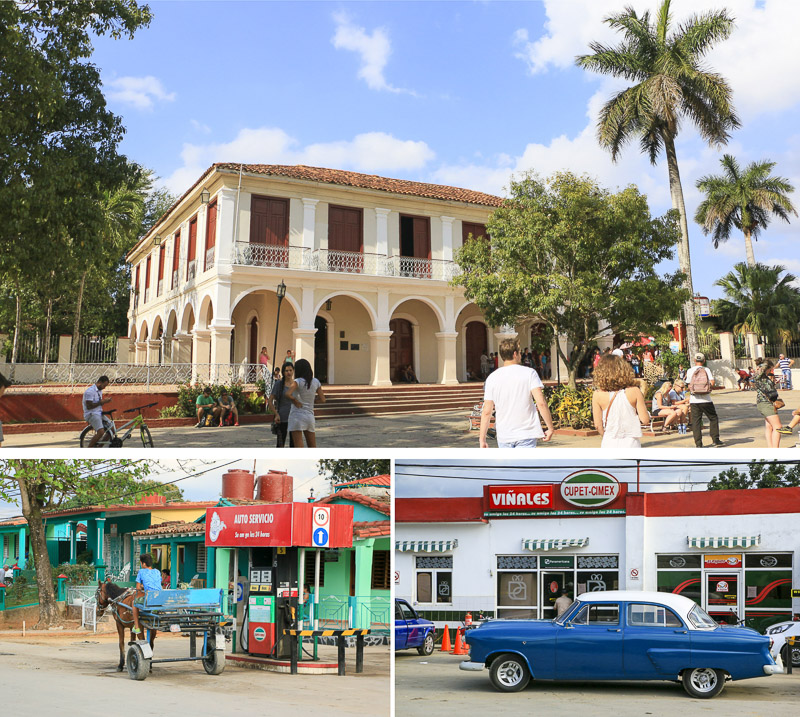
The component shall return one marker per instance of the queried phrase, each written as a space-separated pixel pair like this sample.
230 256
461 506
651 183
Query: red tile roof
372 529
13 521
340 177
173 527
384 480
351 495
176 505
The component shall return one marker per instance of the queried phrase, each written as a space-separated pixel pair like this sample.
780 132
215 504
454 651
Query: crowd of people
538 361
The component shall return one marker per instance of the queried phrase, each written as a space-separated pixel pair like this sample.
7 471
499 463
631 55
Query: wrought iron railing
415 268
349 262
210 256
288 257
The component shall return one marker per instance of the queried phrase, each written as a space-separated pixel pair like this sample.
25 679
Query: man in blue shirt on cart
148 578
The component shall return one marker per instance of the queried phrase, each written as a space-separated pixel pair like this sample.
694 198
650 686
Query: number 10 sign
320 527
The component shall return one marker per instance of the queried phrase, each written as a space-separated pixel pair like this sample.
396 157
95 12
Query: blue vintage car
621 635
411 630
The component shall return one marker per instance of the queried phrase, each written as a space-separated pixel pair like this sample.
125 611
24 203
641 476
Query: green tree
759 299
97 494
47 485
672 83
58 140
576 257
342 471
760 474
742 199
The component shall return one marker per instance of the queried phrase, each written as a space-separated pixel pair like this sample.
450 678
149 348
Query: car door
589 646
656 642
400 627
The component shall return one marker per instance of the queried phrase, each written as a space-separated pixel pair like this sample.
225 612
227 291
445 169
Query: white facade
340 306
634 551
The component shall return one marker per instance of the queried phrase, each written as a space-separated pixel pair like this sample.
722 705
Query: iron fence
96 349
31 348
790 350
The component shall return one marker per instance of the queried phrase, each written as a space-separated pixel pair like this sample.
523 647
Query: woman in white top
662 406
618 406
302 393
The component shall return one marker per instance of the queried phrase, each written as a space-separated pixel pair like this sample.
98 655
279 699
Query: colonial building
366 262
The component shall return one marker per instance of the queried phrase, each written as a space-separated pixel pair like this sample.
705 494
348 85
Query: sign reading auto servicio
228 526
590 489
504 498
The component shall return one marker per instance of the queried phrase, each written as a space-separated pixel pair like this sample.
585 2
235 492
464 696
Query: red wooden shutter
422 238
211 226
192 254
477 231
136 285
269 221
345 229
147 274
161 253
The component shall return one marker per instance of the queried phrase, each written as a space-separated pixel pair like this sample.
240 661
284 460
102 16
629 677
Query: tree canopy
672 83
342 471
577 257
760 474
759 299
746 199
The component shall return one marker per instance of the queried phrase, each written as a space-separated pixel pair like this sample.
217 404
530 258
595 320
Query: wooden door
476 345
345 234
401 346
476 230
321 350
254 352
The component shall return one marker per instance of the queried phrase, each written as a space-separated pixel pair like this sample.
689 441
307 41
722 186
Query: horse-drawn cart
196 612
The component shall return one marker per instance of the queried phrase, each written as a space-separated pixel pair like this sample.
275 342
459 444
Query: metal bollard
789 645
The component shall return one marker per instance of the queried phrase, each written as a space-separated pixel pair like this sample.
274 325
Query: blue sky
461 93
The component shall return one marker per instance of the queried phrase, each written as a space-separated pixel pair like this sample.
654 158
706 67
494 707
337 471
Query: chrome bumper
471 666
773 670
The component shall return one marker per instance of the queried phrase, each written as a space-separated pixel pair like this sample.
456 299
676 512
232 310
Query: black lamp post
280 292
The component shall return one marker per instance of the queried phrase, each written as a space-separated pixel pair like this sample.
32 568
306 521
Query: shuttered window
345 229
269 221
310 570
191 257
211 232
381 566
478 231
176 255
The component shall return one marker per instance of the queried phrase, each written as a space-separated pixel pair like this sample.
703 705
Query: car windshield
700 618
563 616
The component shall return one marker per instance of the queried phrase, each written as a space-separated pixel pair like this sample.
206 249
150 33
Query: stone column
379 358
141 353
123 349
304 344
181 348
559 370
309 222
226 225
726 347
64 348
753 349
446 341
100 558
220 352
447 238
153 352
201 353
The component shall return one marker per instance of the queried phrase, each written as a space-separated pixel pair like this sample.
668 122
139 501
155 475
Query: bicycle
113 437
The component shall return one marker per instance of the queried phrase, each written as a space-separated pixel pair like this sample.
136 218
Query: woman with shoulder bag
280 404
303 392
768 403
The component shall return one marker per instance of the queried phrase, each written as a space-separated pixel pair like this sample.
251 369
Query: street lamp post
280 292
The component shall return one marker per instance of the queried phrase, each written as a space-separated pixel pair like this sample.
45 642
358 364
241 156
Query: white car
779 632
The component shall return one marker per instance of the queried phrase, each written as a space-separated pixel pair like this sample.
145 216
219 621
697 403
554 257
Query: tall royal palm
671 84
745 200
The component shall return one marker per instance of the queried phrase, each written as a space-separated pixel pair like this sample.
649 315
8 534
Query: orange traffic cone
446 647
461 646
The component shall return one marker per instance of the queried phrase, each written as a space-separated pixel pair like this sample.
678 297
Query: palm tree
671 84
760 301
744 200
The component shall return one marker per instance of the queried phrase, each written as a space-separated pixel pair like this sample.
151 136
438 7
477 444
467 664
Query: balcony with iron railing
343 262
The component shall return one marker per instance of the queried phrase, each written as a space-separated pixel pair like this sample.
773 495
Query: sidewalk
741 426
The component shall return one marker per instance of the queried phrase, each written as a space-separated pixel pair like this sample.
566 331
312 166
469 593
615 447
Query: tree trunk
684 259
49 615
748 247
73 354
47 328
17 326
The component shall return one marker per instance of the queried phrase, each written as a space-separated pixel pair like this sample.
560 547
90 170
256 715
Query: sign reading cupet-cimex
517 500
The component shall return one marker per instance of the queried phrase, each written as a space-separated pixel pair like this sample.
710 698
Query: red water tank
276 487
238 485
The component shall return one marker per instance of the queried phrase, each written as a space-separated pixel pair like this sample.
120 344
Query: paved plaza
741 426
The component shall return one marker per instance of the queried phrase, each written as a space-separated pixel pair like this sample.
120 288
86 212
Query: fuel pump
272 602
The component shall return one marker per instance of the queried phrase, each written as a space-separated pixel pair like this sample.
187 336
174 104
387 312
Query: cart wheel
214 662
138 666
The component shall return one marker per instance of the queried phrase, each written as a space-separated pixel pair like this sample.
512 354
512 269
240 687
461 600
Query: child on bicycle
148 578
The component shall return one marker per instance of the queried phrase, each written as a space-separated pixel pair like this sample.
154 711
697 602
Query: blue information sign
320 537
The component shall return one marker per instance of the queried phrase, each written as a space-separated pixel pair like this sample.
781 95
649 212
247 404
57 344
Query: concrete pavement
741 426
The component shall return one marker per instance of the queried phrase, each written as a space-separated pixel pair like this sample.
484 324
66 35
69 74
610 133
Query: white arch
270 290
465 306
200 317
185 313
425 300
143 334
353 295
173 314
132 331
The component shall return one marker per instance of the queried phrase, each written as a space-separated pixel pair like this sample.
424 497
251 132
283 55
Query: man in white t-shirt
701 404
92 408
511 391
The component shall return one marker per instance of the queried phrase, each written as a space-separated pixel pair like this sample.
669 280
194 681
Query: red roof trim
356 498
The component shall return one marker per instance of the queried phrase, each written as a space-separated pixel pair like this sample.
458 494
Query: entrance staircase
343 401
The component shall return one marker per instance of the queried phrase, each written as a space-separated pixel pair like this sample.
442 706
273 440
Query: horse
120 600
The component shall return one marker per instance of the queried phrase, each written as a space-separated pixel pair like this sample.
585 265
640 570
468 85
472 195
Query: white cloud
374 50
139 92
760 59
368 152
200 127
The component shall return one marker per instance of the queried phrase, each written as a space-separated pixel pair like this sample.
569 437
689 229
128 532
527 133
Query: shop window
434 579
597 615
516 595
768 589
309 580
589 582
642 615
679 562
768 560
681 582
380 570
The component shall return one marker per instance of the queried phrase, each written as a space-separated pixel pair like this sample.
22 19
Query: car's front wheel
703 682
426 648
509 673
794 651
